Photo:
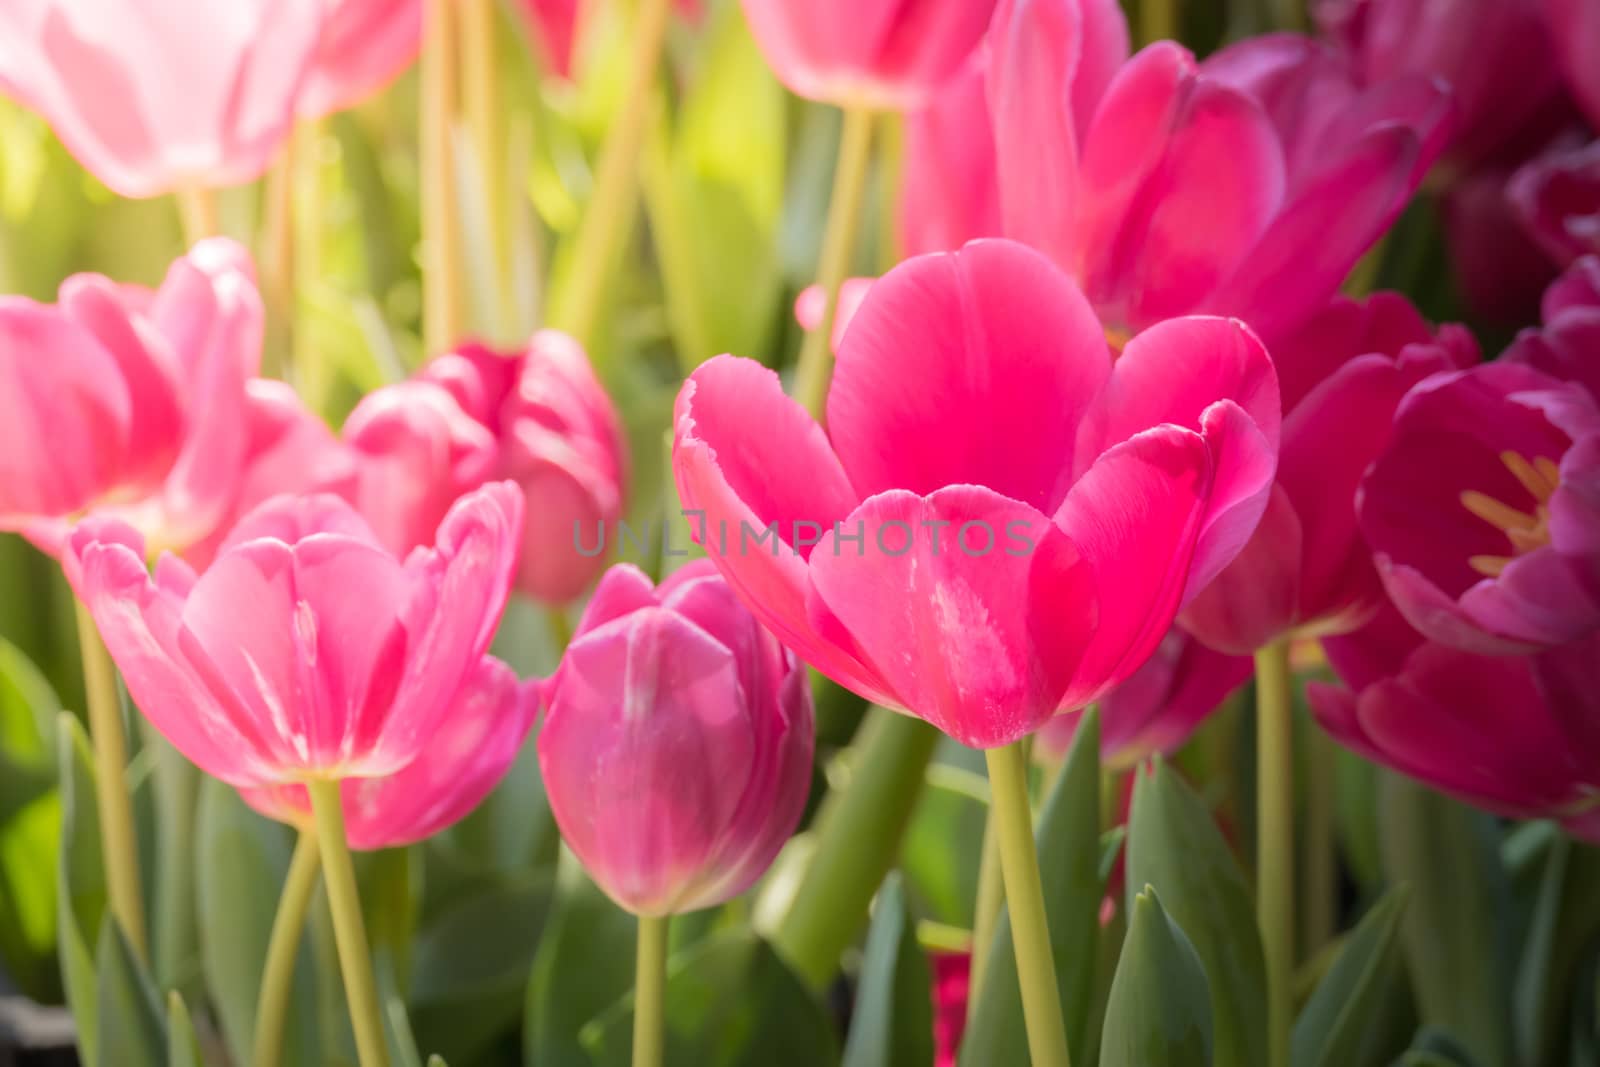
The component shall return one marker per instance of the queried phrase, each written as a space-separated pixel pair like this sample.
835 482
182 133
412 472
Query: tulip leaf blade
183 1044
1339 1015
1561 931
586 935
1159 1012
81 898
892 1024
1175 847
1070 863
133 1028
30 825
730 1002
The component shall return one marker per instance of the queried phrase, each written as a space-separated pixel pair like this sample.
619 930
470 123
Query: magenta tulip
1556 197
162 95
128 403
949 193
466 758
1499 268
1247 185
1504 109
1001 520
677 742
1307 571
1575 29
1513 734
867 53
306 650
365 45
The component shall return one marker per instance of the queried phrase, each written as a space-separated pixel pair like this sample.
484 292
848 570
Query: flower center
1117 337
1540 477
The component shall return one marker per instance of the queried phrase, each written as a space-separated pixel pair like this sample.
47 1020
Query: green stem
481 96
277 977
199 215
442 296
175 781
814 369
857 839
1275 840
650 992
611 207
1288 14
1030 933
1321 920
118 842
1158 20
986 913
355 958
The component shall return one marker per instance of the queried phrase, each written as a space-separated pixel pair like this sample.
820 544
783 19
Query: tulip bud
677 743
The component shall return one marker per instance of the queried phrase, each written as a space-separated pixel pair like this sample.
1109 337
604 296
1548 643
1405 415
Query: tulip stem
277 977
349 931
986 913
442 295
197 212
1030 931
857 839
1158 20
118 842
814 369
481 97
1275 840
1320 921
611 207
650 992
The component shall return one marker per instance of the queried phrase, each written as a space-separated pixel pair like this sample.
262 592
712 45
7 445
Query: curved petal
972 367
974 607
1256 597
365 44
1162 703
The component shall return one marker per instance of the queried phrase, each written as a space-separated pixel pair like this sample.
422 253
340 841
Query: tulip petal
1256 597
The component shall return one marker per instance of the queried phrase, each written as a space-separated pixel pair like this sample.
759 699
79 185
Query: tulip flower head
306 649
127 403
1575 29
365 44
1001 520
888 54
162 95
677 742
1556 197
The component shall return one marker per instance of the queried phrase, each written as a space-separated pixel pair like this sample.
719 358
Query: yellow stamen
1547 467
1541 478
1532 479
1501 516
1489 566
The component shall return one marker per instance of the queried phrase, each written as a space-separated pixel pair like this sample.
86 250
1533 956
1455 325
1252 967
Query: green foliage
892 1024
30 825
1159 1014
1340 1014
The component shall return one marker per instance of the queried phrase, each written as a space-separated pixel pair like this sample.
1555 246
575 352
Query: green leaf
1159 1014
1449 855
1436 1048
1175 847
583 964
1070 853
241 862
892 1024
945 832
471 967
437 1061
183 1044
133 1030
1342 1012
730 1002
81 883
30 826
1565 921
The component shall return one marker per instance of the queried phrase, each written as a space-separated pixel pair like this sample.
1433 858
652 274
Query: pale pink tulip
365 45
1001 520
306 650
162 95
131 404
867 53
677 742
463 762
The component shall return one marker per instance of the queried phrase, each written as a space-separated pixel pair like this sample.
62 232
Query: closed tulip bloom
1247 185
306 650
129 403
1575 29
162 95
365 45
1307 571
1505 108
867 53
1513 734
677 742
558 436
467 757
1556 197
1001 520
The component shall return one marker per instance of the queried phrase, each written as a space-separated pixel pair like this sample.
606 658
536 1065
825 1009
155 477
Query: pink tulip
1499 268
677 742
128 403
557 436
161 95
1575 29
1000 520
952 982
1307 571
808 307
1512 734
288 449
1482 512
949 193
1247 185
466 758
888 54
306 650
365 45
1159 707
1505 108
1556 197
555 25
